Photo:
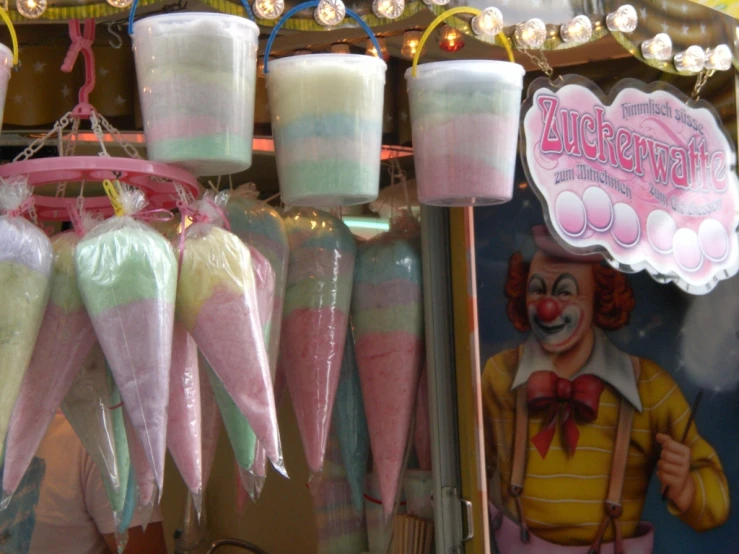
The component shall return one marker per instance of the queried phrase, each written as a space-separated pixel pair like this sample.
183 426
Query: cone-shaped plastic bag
217 304
317 303
184 425
127 274
145 480
210 418
422 436
65 339
350 425
387 312
91 407
26 258
241 435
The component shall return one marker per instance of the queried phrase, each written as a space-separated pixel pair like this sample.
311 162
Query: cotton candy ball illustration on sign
710 347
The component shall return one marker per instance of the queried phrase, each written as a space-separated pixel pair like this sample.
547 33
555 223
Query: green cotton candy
64 290
23 297
405 317
109 280
309 294
117 497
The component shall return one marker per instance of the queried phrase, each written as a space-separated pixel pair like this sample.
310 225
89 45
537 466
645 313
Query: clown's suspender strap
618 465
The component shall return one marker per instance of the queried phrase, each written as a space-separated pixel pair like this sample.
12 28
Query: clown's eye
564 294
536 287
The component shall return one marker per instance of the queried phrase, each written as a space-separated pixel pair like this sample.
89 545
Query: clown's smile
549 329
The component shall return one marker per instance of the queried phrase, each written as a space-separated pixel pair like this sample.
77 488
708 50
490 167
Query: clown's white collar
606 361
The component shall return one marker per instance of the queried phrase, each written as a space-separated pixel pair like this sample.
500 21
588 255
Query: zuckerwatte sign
637 175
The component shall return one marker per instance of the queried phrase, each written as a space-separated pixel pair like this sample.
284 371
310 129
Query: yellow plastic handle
13 36
447 14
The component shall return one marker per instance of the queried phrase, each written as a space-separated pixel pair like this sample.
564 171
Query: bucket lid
197 23
469 70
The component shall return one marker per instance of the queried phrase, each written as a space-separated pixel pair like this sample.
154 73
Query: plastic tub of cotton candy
316 314
217 304
26 259
94 410
242 437
127 275
387 312
65 339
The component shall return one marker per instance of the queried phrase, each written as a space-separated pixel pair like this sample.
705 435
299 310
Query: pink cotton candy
184 416
389 369
141 370
422 439
64 341
211 423
239 359
311 353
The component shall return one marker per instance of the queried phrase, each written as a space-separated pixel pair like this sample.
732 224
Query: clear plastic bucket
6 64
196 76
465 122
327 118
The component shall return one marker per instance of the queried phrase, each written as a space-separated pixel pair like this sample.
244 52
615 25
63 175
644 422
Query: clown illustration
575 427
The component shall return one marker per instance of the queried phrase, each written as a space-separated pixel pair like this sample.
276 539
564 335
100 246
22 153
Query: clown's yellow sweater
563 495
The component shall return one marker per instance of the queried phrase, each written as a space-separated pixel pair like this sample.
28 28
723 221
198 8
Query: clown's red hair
614 297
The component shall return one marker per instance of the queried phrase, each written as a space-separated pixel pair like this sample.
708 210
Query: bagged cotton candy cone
387 313
350 425
91 407
184 425
65 339
26 258
127 275
422 434
261 227
317 302
146 484
241 435
217 304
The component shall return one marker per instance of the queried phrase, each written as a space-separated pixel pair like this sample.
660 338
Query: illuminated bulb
372 51
531 34
32 9
719 58
691 60
388 9
268 9
657 48
330 12
436 2
623 19
579 30
411 40
120 3
340 48
450 39
489 22
302 52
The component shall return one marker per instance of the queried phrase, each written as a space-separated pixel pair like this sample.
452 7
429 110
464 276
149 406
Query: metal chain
71 146
95 123
129 148
37 144
700 82
184 194
542 63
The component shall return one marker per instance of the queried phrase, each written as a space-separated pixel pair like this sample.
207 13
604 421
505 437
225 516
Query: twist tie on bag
127 201
198 212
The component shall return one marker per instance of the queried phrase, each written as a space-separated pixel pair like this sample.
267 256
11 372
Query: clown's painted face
559 301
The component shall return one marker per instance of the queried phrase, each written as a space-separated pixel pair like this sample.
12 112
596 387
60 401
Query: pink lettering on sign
639 176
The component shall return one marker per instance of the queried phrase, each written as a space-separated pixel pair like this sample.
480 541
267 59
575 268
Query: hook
82 43
119 40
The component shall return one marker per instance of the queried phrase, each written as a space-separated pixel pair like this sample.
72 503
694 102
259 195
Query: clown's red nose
547 310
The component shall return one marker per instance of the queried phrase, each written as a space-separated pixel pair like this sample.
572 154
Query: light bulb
330 13
488 23
120 3
388 9
623 19
32 9
691 60
578 30
372 51
657 48
268 9
411 40
719 58
450 39
436 2
340 48
531 34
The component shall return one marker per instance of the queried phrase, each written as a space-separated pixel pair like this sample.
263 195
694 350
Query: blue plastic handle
135 4
313 4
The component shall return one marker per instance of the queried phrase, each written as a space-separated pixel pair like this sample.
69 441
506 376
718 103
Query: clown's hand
673 470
